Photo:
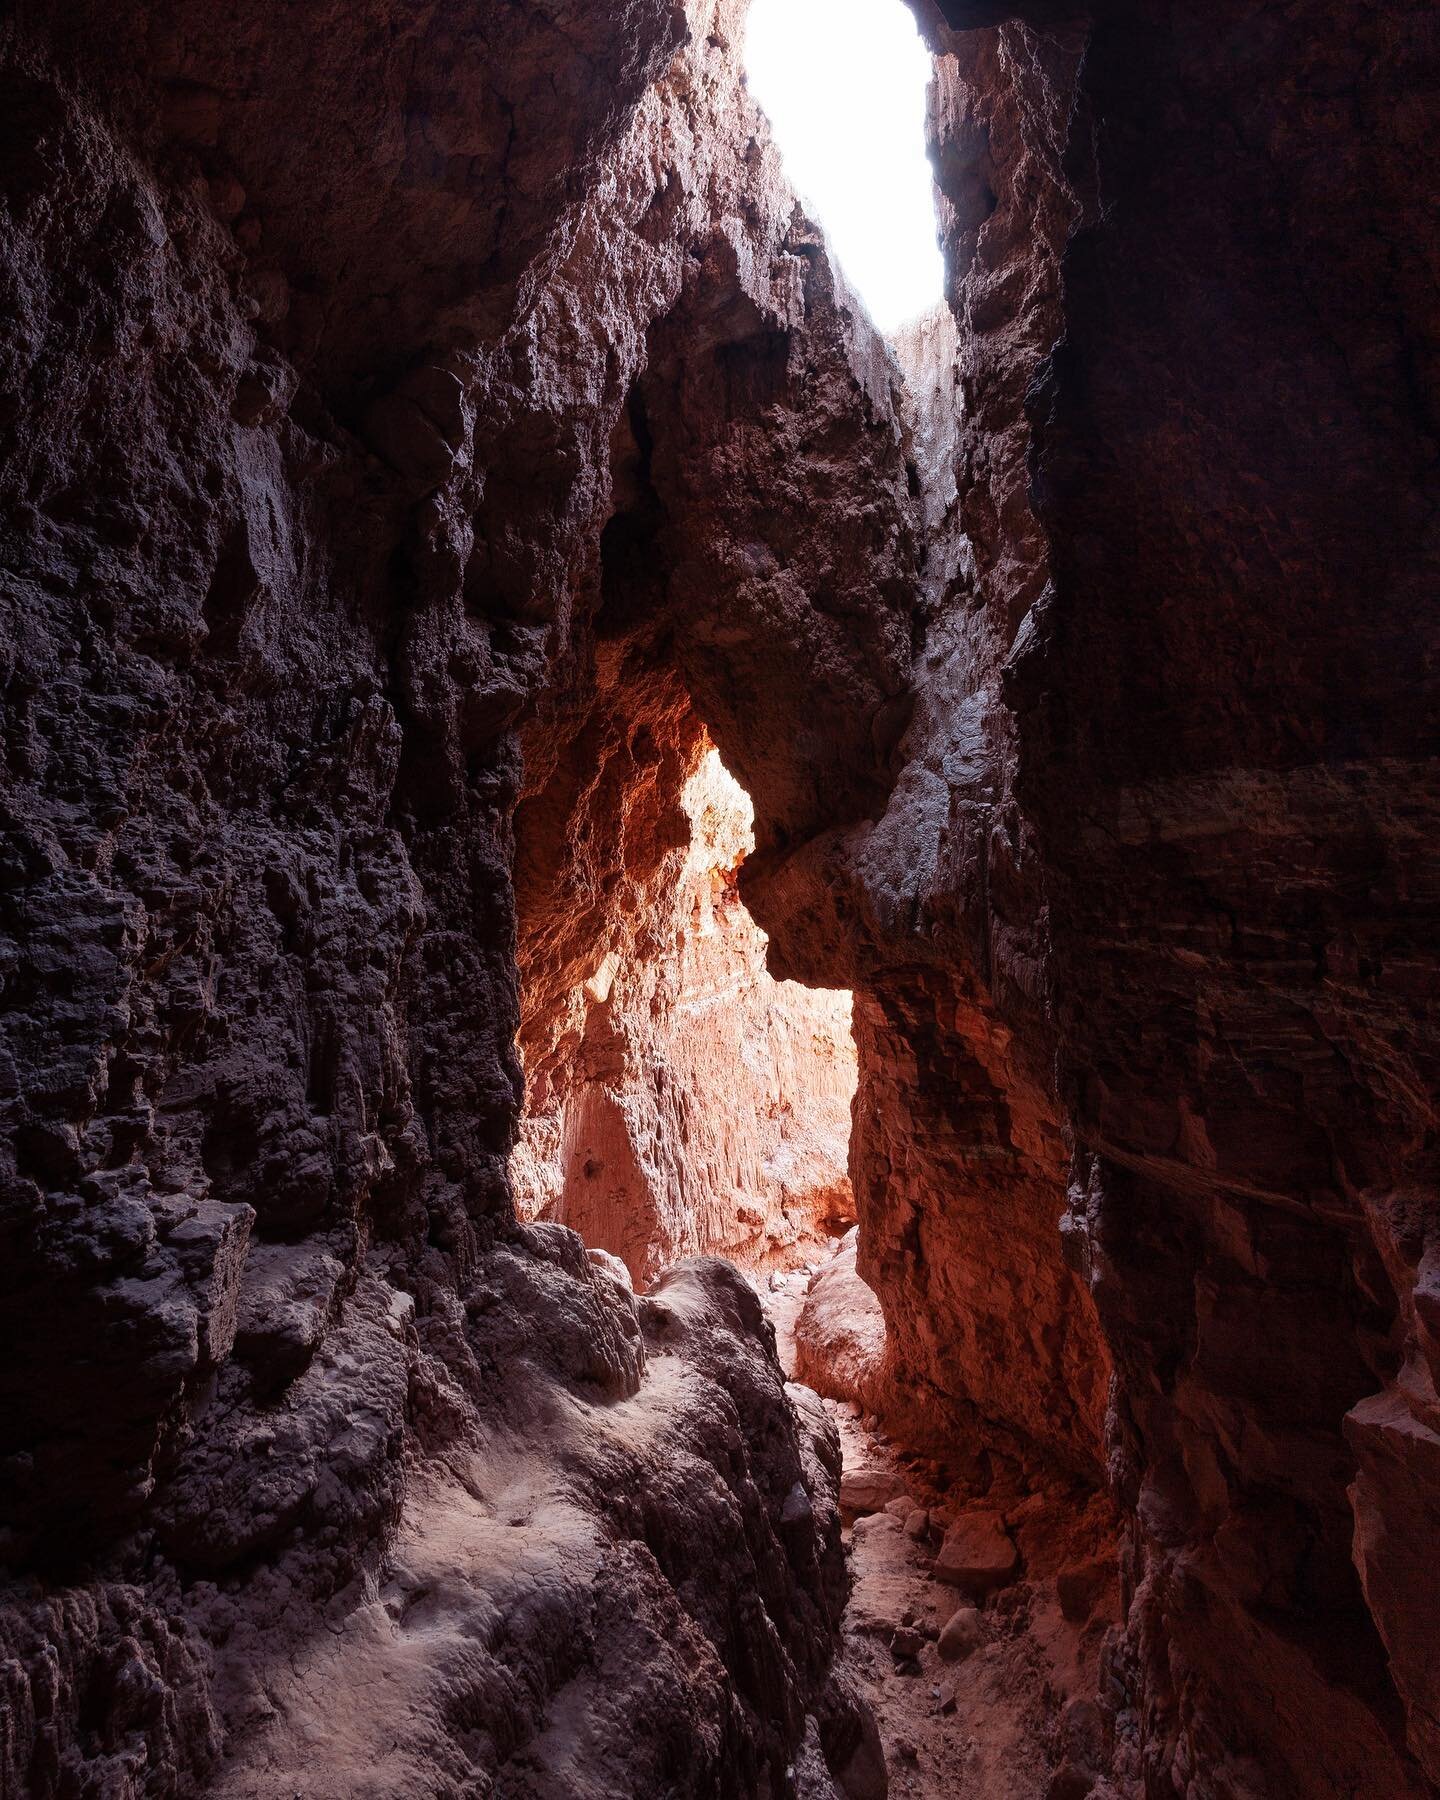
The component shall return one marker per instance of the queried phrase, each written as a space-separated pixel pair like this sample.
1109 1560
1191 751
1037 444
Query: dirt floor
971 1693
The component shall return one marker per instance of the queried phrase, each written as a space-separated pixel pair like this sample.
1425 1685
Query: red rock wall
684 1102
414 427
1198 416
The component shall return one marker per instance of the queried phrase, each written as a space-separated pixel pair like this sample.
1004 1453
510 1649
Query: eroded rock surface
420 430
840 1346
314 354
681 1100
1180 369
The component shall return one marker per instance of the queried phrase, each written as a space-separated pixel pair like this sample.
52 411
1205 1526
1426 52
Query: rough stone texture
1194 287
977 1553
415 427
840 1333
558 1619
961 1635
315 348
682 1101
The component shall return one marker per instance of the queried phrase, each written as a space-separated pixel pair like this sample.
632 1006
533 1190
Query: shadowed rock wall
1195 292
314 349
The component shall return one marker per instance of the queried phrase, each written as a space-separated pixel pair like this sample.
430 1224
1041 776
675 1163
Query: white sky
843 83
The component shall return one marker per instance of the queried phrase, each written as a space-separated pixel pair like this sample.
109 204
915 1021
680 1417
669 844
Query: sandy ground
978 1726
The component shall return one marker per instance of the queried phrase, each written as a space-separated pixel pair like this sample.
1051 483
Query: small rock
906 1643
288 1295
1069 1782
1082 1735
945 1699
868 1490
917 1525
900 1507
612 1266
906 1750
797 1509
870 1525
962 1635
263 393
977 1553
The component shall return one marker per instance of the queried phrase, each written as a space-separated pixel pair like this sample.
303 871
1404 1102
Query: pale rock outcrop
683 1101
840 1333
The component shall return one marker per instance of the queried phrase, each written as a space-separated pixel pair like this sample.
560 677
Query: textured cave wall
320 360
1194 284
682 1101
428 415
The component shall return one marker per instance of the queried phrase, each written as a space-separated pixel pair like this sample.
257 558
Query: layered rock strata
1192 289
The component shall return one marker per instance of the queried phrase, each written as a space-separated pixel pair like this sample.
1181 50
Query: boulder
962 1634
977 1553
869 1490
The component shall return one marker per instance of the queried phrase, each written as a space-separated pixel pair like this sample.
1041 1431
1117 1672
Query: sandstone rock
1188 1157
406 445
1081 1586
797 1509
840 1334
874 1525
611 1266
211 1241
1069 1782
977 1553
1081 1737
613 1142
917 1524
870 1490
962 1634
1396 1502
287 1298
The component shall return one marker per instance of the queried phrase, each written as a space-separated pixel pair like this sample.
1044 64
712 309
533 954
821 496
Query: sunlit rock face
684 1101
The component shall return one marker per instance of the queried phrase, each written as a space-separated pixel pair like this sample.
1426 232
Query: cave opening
843 83
680 1100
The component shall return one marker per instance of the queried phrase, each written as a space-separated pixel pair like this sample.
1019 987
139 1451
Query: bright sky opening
843 84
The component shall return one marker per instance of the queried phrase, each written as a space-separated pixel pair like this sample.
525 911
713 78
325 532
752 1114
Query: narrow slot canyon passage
718 901
681 1102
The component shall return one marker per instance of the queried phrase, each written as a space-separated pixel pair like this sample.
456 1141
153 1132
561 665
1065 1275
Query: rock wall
684 1102
1192 282
322 357
417 431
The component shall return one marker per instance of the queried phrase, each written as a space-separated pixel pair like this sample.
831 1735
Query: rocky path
970 1678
